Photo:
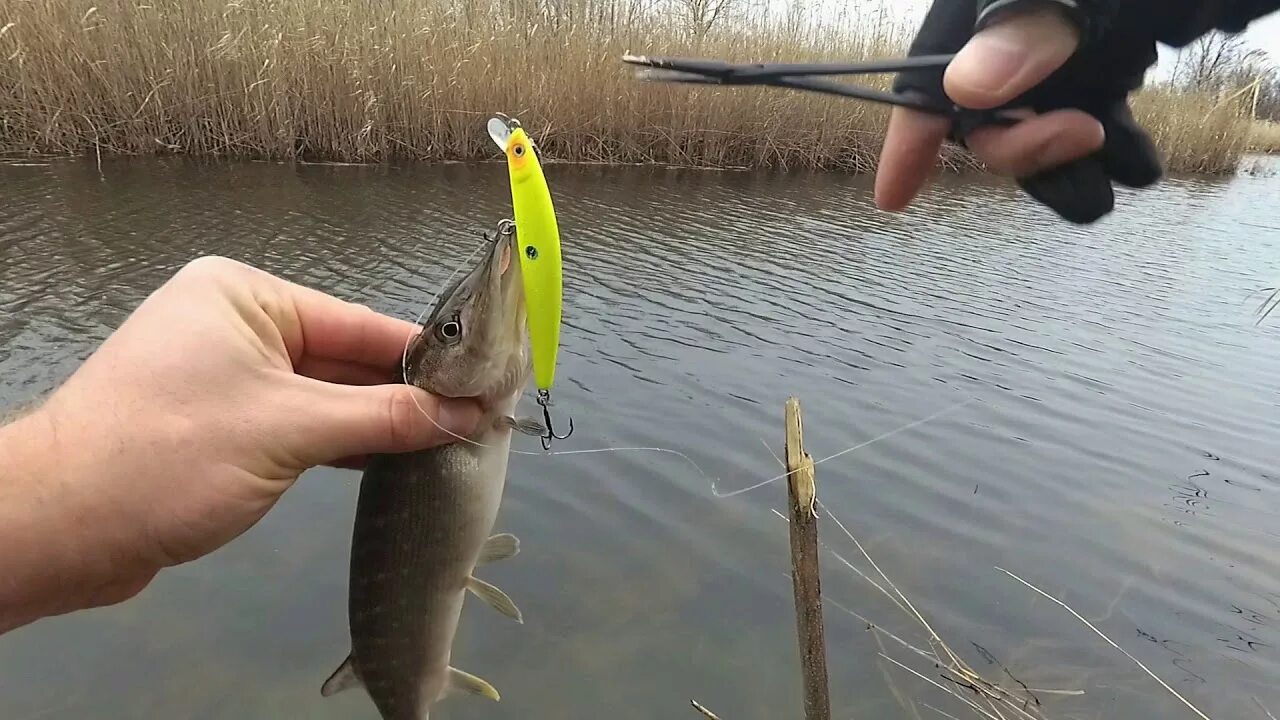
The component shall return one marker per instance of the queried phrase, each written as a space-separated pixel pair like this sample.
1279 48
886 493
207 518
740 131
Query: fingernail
458 416
991 60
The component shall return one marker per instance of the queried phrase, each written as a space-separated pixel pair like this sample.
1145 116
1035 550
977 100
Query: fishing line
859 446
404 373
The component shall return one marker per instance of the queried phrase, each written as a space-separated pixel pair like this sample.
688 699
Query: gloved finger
911 146
1009 57
1079 191
1129 155
947 26
1037 144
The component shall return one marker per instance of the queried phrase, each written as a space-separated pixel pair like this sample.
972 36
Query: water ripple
1119 452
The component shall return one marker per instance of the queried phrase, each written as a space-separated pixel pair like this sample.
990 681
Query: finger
1130 155
346 373
1010 57
911 146
310 322
325 326
341 330
345 421
1040 143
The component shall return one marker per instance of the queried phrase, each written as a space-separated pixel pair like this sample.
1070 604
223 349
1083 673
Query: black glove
1117 46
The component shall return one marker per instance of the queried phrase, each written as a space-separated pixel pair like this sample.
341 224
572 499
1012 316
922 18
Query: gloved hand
1097 53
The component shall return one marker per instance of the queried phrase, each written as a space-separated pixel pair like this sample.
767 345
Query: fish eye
449 330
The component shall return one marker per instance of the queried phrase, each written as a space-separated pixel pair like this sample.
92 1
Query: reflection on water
1118 451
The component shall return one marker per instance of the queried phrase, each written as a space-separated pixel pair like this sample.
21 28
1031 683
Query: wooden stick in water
802 492
705 712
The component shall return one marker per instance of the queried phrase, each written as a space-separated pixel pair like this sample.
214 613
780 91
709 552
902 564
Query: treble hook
544 399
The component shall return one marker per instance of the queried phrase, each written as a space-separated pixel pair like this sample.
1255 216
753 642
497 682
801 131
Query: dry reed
1264 137
1196 132
985 698
363 82
1004 698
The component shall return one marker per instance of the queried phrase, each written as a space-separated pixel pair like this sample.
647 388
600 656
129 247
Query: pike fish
424 519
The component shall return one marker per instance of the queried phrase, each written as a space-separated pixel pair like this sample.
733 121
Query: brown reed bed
1264 137
355 81
1196 132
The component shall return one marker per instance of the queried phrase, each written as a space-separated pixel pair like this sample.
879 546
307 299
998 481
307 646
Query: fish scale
411 547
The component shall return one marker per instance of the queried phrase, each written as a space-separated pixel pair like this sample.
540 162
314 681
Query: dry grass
359 82
1264 137
1198 133
1004 697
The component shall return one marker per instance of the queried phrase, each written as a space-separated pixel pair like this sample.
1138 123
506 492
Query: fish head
474 344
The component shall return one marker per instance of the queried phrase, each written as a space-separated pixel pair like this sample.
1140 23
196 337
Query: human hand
1024 55
200 410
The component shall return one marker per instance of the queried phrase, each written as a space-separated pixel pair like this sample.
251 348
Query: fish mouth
497 259
473 344
508 360
482 281
501 276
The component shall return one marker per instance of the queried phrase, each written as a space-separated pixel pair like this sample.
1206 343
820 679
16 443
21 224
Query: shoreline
1246 165
861 160
857 159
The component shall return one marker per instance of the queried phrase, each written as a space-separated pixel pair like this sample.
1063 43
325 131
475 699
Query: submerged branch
1109 641
705 712
1268 305
806 576
952 668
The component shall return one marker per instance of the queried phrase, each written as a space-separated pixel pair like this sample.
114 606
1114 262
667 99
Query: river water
1117 448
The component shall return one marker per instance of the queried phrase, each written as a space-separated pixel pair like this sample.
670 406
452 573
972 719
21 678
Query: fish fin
344 678
525 425
499 547
495 597
460 681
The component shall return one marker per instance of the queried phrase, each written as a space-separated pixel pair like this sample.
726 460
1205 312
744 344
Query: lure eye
518 150
449 331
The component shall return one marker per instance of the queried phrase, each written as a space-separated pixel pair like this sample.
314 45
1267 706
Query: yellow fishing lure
539 239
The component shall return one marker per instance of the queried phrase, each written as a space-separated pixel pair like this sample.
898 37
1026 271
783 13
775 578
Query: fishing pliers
809 76
1070 189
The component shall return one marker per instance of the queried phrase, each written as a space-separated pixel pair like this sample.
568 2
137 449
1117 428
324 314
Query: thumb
354 420
1009 57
